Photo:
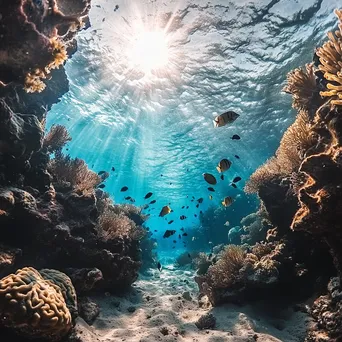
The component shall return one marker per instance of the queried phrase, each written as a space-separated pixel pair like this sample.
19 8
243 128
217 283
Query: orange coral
330 56
301 83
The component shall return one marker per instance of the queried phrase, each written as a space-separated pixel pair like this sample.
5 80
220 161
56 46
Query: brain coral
64 283
33 306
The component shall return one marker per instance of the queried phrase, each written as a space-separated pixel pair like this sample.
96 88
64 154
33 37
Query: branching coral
113 223
301 83
330 57
56 138
34 307
226 270
73 171
296 140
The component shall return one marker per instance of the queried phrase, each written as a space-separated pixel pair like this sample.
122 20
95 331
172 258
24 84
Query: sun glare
149 51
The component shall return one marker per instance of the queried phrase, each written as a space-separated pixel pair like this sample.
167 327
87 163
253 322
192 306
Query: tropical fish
165 210
185 234
237 157
225 118
197 205
195 215
152 202
193 238
227 223
168 233
233 185
223 165
148 195
236 179
200 200
179 236
187 207
174 241
182 229
227 201
101 186
222 177
159 266
235 137
116 8
170 222
182 217
210 197
132 200
183 206
209 178
113 168
125 188
211 189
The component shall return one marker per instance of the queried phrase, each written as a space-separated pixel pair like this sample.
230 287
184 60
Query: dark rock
88 310
131 309
207 321
84 279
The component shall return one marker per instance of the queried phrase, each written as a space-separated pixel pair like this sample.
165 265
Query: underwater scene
170 170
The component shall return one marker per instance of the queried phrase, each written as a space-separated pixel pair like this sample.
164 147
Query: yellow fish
165 210
227 201
223 165
225 118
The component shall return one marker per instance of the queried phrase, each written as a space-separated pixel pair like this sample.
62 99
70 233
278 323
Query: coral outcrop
303 198
53 216
34 306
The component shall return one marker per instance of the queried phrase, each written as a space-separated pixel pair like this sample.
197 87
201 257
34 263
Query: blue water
223 55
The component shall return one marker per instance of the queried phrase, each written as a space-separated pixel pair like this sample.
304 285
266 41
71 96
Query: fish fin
218 169
222 203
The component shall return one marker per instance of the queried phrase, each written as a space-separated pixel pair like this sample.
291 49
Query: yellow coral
301 83
59 54
33 306
330 56
33 82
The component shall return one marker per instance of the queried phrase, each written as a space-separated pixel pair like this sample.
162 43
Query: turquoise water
155 127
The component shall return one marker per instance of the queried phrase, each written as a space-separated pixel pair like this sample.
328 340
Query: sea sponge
301 84
33 306
330 57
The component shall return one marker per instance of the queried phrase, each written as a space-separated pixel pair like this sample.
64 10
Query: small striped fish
227 201
225 118
223 165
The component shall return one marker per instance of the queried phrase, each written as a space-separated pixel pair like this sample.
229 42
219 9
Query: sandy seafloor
158 303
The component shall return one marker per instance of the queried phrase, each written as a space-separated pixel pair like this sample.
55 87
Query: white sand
159 303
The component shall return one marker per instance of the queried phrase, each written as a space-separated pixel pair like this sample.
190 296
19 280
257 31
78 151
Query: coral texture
330 57
33 306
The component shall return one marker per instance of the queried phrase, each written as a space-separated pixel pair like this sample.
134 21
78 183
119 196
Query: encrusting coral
33 306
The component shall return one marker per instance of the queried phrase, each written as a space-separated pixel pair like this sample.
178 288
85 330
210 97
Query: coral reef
34 40
34 306
303 198
52 216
